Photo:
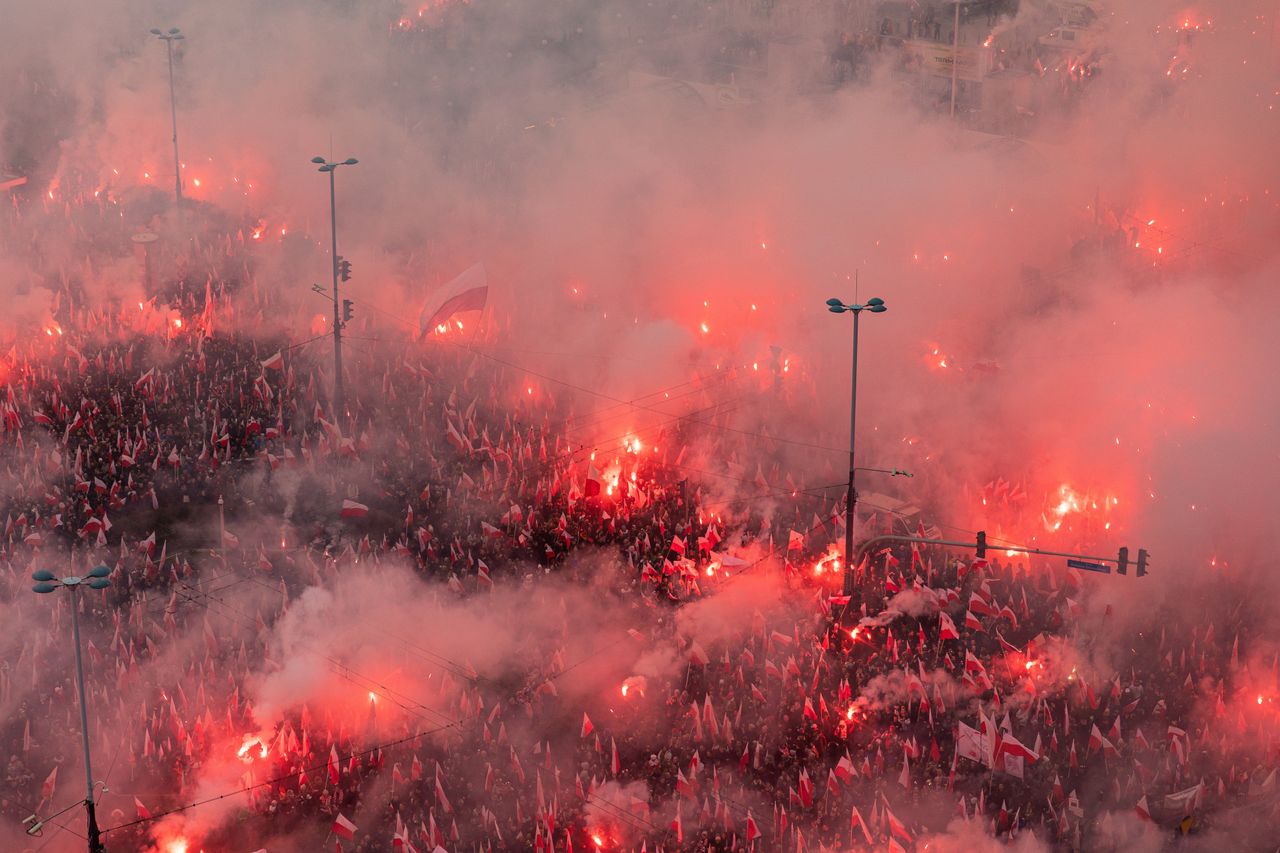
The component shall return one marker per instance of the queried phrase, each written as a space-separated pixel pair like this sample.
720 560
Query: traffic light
1142 562
981 547
1122 564
344 269
346 310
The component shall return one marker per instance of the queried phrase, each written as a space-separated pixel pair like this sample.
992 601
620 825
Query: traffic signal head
1122 564
346 310
981 547
1142 562
344 269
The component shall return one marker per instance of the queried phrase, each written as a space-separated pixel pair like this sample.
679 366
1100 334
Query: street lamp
46 582
835 306
339 398
169 38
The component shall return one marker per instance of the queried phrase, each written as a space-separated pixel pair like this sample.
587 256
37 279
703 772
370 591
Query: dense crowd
941 689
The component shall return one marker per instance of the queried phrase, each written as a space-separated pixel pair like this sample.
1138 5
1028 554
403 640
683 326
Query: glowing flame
705 328
625 687
247 744
373 697
177 324
1069 501
176 845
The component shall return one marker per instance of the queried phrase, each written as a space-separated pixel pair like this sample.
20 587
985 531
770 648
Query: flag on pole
351 509
344 828
468 292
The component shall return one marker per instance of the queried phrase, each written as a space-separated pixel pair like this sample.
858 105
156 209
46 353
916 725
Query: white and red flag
344 828
352 509
468 292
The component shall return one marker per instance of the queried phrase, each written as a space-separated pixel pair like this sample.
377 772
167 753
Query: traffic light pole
339 395
980 547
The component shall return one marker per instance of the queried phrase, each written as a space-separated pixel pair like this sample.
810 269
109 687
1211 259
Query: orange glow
176 845
248 743
373 697
705 328
177 324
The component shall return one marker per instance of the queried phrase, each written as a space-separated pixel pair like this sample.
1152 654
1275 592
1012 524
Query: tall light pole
955 58
169 38
46 582
339 397
835 306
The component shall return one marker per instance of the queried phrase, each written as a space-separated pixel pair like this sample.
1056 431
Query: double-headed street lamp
46 582
169 38
339 398
835 306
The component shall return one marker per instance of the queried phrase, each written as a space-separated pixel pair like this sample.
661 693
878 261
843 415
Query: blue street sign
1089 567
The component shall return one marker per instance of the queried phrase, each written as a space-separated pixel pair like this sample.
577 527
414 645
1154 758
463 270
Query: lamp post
46 582
169 38
835 306
339 398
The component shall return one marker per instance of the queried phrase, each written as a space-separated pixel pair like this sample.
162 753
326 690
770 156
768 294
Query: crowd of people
943 688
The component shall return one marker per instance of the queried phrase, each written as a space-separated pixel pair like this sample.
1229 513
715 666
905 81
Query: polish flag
896 827
795 542
1011 745
697 655
947 628
50 782
587 728
275 362
344 828
1142 810
594 483
333 765
468 292
144 813
351 509
857 821
753 831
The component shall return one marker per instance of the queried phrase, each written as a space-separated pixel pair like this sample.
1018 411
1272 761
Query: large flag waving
467 292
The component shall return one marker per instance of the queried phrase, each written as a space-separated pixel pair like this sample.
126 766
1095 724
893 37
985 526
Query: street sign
1089 567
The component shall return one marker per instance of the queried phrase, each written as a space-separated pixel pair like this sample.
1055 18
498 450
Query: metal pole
851 496
95 839
955 58
339 398
173 112
222 528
